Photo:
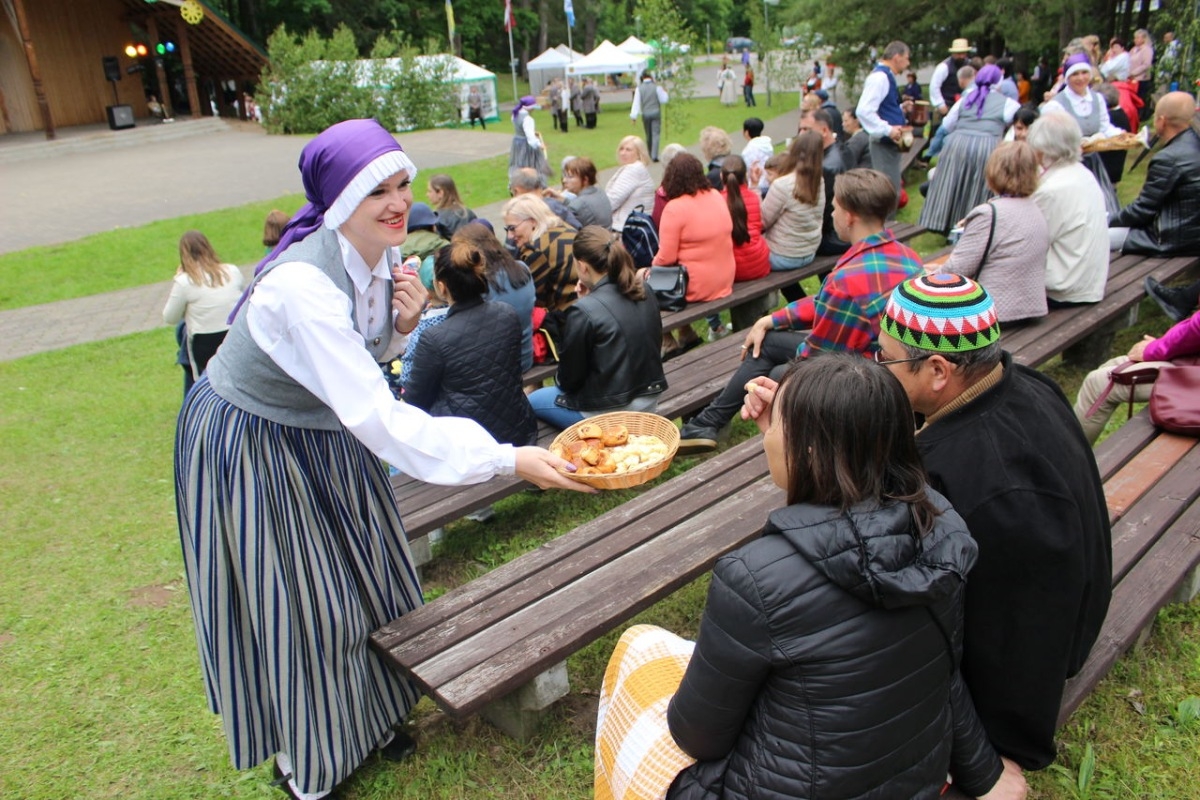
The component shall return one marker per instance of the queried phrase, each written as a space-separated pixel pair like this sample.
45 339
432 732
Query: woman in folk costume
528 149
292 541
1090 110
976 123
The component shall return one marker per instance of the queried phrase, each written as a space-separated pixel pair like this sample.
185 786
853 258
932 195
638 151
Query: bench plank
562 622
1135 602
494 593
1116 451
1135 533
1143 471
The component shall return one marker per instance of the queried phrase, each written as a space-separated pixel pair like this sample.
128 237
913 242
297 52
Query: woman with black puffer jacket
827 660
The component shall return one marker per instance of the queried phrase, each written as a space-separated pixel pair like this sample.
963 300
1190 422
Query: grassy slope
101 684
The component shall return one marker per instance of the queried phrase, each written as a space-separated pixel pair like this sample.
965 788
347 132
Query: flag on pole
568 7
450 21
510 21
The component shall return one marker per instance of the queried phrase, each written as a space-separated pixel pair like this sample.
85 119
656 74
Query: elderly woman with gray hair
1072 202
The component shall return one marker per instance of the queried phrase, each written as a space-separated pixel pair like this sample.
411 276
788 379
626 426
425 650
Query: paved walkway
80 192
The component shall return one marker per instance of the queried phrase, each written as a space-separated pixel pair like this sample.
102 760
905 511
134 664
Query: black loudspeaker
120 117
112 68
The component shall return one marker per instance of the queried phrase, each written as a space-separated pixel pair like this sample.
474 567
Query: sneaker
1171 300
719 332
695 439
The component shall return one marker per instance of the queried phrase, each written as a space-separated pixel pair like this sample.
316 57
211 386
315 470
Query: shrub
311 83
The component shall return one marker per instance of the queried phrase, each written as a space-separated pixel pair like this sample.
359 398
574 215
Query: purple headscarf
985 79
329 164
525 102
339 167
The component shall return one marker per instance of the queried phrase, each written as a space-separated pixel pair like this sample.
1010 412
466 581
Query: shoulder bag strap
988 247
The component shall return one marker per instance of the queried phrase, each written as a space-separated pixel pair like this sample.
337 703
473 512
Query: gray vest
244 375
648 92
1089 125
990 122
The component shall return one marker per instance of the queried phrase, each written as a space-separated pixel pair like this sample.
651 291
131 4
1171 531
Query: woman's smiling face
381 219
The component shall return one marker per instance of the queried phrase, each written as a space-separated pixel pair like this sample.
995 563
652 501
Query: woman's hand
760 394
541 468
408 300
1011 785
1138 351
754 337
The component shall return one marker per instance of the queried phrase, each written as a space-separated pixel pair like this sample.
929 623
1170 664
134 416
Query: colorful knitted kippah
943 313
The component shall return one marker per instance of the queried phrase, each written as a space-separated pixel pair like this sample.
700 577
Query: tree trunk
543 26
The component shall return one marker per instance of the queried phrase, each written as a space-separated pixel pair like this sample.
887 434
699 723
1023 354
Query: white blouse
306 325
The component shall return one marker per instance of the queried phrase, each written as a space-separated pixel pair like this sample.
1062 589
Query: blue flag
569 7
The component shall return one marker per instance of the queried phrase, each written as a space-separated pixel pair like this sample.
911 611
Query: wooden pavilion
52 60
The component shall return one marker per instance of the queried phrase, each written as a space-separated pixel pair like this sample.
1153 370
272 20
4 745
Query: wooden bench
496 644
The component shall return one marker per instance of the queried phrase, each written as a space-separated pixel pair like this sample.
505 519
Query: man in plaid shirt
845 313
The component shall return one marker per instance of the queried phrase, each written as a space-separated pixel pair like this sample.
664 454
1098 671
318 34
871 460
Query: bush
311 83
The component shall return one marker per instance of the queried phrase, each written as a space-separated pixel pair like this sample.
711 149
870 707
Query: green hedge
312 83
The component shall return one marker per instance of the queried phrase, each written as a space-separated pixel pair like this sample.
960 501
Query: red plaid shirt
845 314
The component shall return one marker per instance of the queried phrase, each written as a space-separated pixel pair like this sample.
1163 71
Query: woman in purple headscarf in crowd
292 541
1090 110
528 149
976 124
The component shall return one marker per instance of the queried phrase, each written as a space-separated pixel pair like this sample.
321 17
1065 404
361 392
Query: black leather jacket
610 350
826 664
1165 217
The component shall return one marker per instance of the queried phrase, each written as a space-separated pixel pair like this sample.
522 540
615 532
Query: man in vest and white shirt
944 90
880 113
647 101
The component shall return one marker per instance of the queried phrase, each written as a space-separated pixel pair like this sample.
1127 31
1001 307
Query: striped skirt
960 182
294 553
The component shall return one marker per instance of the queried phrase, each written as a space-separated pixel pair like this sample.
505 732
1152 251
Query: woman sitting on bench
826 664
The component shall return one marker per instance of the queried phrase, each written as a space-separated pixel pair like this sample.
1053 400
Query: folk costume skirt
960 182
294 553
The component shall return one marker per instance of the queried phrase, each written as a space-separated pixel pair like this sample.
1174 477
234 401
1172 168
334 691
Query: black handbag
669 285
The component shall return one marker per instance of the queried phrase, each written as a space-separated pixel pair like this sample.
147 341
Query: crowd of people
295 551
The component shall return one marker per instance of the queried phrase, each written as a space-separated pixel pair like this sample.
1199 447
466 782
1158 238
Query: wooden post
189 74
164 91
4 113
35 74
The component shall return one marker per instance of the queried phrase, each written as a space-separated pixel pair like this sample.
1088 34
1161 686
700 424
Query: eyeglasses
511 228
883 362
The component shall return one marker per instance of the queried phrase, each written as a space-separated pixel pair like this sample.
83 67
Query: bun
590 430
615 436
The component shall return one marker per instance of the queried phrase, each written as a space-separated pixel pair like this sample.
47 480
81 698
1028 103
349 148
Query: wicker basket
635 422
1122 141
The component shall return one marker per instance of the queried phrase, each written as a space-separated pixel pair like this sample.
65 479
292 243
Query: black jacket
826 664
469 365
610 350
832 164
1015 464
1165 217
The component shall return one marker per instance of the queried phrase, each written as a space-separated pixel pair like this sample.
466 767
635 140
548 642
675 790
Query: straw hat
960 46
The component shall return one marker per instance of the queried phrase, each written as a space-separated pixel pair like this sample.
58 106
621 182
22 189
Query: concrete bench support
519 713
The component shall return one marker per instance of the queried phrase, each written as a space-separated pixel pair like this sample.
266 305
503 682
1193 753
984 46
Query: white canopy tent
463 75
605 59
636 46
546 66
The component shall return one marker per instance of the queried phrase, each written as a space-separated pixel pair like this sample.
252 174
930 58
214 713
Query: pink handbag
1175 400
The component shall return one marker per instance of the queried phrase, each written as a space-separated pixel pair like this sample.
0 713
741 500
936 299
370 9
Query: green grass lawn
101 695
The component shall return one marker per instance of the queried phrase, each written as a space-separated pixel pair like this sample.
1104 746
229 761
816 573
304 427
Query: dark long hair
685 175
602 250
733 176
495 255
461 267
848 436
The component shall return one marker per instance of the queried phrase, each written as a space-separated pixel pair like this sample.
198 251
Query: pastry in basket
590 454
614 436
590 430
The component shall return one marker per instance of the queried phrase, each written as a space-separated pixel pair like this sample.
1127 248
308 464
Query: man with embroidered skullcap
1000 441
